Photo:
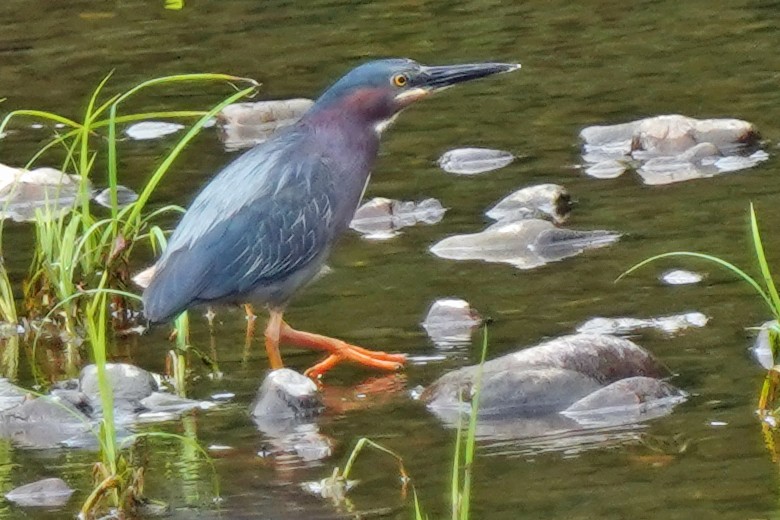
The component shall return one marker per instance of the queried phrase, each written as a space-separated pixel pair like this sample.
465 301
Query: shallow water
582 65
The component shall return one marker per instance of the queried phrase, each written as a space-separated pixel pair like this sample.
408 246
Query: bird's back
257 227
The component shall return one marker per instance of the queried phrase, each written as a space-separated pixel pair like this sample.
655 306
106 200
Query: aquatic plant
72 248
763 286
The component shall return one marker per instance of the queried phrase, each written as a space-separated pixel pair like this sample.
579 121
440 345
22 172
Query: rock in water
148 130
50 492
547 378
627 394
124 197
22 192
246 124
542 201
526 244
450 322
44 422
286 394
471 161
128 382
680 277
672 148
382 218
666 324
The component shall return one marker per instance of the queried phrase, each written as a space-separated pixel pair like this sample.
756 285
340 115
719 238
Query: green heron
263 227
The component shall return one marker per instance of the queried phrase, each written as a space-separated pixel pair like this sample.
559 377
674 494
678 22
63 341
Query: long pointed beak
437 78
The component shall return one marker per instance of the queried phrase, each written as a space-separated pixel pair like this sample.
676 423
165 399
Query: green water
592 63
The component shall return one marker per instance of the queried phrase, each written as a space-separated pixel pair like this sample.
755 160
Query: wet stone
544 379
525 244
50 492
149 130
672 148
627 394
10 395
680 277
450 322
381 218
242 125
128 382
471 161
22 192
286 394
124 197
761 349
44 422
667 324
546 201
608 169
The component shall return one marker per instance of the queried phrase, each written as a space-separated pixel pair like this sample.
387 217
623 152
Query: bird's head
376 91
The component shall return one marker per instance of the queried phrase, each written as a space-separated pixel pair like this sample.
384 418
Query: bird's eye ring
400 80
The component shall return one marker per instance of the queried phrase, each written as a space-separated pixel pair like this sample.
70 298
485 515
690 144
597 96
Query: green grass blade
713 259
471 436
762 261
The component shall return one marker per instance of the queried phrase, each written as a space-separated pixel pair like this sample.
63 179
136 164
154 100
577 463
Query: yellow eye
400 80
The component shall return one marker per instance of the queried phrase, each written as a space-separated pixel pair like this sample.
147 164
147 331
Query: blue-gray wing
264 218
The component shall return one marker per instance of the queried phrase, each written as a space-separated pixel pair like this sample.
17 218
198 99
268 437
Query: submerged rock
547 378
471 161
666 324
286 394
450 322
246 124
148 130
526 244
22 192
607 169
285 409
382 218
680 277
49 492
44 422
125 196
542 201
672 148
128 382
568 394
627 395
762 349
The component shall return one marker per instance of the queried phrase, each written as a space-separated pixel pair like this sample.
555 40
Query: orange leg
337 349
272 337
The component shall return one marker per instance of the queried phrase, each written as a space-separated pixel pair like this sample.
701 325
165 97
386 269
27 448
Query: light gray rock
50 492
525 244
547 201
44 422
622 326
149 130
547 378
630 394
129 383
124 197
680 277
672 148
381 218
286 394
471 161
23 192
10 395
450 322
761 349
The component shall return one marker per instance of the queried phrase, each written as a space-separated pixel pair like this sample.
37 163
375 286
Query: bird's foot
369 358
